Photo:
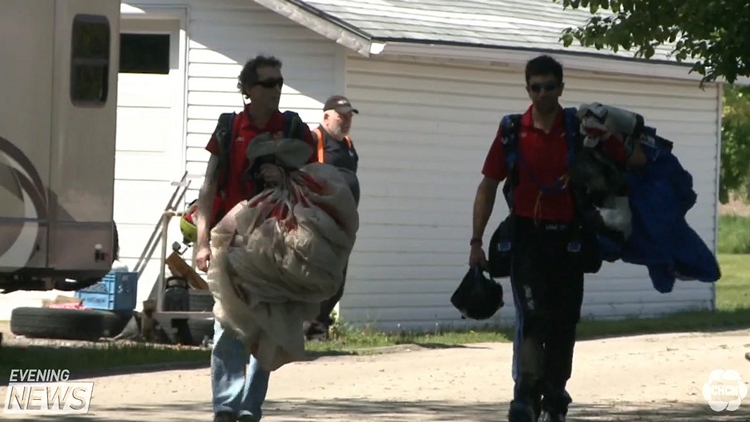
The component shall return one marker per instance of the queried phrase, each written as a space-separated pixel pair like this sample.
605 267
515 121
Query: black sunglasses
549 86
270 83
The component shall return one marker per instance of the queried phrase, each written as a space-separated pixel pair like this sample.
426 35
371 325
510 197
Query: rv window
144 53
89 67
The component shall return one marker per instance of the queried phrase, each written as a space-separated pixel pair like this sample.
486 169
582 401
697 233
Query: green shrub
734 234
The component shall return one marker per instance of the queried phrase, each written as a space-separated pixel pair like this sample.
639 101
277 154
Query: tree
715 33
735 141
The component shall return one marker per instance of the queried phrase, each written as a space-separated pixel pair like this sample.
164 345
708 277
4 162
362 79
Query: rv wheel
115 242
57 323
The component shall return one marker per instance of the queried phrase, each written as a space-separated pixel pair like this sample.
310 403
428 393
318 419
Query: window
89 67
144 53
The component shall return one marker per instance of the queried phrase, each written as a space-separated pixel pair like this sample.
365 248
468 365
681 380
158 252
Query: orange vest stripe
321 146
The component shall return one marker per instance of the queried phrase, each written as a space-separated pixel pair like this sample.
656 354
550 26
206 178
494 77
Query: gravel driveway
645 378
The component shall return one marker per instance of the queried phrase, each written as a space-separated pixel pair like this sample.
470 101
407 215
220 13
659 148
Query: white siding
221 36
422 135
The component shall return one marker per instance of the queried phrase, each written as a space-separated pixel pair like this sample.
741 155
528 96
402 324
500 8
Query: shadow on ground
394 411
404 347
438 346
90 363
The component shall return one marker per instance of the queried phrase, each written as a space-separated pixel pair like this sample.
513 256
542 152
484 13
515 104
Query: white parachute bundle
600 123
278 255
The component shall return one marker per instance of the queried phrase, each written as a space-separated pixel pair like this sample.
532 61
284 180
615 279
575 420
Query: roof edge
365 44
591 62
322 23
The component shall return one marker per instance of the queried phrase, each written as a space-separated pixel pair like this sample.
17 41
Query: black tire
56 323
201 300
115 242
113 322
201 331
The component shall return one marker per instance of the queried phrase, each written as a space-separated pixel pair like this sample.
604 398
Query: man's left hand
271 173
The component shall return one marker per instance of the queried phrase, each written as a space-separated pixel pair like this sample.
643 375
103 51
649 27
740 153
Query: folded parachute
641 212
277 256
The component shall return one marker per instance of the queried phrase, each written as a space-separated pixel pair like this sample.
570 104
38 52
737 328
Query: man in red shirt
239 390
546 276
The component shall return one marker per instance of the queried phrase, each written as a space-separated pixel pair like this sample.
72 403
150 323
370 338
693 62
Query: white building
431 83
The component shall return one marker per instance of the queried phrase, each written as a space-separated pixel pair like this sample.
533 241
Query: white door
150 150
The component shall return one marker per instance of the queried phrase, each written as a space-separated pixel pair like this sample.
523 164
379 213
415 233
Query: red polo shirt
245 130
545 156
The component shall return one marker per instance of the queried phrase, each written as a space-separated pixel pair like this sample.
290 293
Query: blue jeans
238 383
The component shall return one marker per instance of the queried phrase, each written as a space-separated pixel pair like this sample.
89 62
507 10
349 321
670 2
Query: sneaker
554 407
552 417
521 412
225 417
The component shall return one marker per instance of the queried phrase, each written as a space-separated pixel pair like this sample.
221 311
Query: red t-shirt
545 156
244 131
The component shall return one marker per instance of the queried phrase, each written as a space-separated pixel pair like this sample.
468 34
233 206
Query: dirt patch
735 206
644 378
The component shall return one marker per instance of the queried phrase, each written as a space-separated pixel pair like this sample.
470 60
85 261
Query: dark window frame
162 42
89 67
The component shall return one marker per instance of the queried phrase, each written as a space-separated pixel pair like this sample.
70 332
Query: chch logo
724 390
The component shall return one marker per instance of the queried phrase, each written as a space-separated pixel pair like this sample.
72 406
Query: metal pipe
166 217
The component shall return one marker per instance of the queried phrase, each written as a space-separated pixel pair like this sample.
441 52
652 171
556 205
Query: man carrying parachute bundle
582 186
542 245
636 211
266 219
280 254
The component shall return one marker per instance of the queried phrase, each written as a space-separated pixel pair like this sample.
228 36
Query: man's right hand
477 256
202 258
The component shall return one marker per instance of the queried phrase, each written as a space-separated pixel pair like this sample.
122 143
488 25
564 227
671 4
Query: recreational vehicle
58 83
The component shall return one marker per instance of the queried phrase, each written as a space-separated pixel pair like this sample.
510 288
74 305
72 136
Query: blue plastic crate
117 291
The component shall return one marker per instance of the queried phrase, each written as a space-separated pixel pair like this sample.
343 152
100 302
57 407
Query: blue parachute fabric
661 194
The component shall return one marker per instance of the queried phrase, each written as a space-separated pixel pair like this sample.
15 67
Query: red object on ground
78 306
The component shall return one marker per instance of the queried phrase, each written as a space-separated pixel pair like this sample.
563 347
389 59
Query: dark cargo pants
547 282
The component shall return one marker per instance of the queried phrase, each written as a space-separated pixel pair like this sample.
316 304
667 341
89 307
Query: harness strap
510 130
321 144
224 134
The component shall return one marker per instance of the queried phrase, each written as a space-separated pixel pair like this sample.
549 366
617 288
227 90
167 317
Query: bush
734 234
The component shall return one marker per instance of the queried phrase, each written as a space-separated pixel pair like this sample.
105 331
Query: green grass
733 302
734 235
85 359
733 290
733 312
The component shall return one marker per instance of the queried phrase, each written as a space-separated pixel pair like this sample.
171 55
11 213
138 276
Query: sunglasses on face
270 83
549 86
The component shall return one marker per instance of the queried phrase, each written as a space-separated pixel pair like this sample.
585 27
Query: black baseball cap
340 104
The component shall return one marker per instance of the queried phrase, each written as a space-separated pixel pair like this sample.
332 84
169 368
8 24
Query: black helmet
478 297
